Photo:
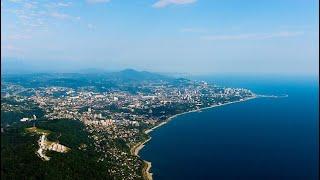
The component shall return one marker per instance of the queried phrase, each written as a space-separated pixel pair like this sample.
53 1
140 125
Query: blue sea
264 138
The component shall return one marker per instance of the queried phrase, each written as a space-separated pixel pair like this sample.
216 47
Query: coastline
146 170
136 148
196 110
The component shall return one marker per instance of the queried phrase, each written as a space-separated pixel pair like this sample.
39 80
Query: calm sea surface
263 138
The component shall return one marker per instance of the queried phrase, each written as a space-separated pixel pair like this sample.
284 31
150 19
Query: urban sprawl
116 117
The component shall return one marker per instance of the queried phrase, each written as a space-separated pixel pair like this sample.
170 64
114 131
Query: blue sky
188 36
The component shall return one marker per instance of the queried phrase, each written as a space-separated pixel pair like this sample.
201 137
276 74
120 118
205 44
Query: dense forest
19 161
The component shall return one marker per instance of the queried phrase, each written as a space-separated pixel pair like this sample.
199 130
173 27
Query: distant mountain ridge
86 78
132 74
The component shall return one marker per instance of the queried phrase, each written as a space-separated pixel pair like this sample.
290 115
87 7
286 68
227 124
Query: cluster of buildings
116 120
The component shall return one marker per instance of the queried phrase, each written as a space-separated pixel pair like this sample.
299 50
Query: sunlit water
264 138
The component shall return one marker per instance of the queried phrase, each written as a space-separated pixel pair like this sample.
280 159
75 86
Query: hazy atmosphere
160 89
184 36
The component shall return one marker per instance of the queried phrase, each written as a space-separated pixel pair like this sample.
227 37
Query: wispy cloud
194 30
59 4
36 16
30 5
63 16
253 36
60 15
15 1
28 16
165 3
97 1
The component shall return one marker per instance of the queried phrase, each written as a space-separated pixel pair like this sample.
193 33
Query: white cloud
164 3
30 5
36 15
63 16
60 15
253 36
15 1
97 1
193 30
59 4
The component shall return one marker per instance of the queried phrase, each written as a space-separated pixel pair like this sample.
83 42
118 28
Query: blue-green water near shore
264 138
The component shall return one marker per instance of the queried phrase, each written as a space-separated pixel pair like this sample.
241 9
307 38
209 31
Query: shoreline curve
136 148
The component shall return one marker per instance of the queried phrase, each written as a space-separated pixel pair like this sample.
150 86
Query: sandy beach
135 149
147 165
